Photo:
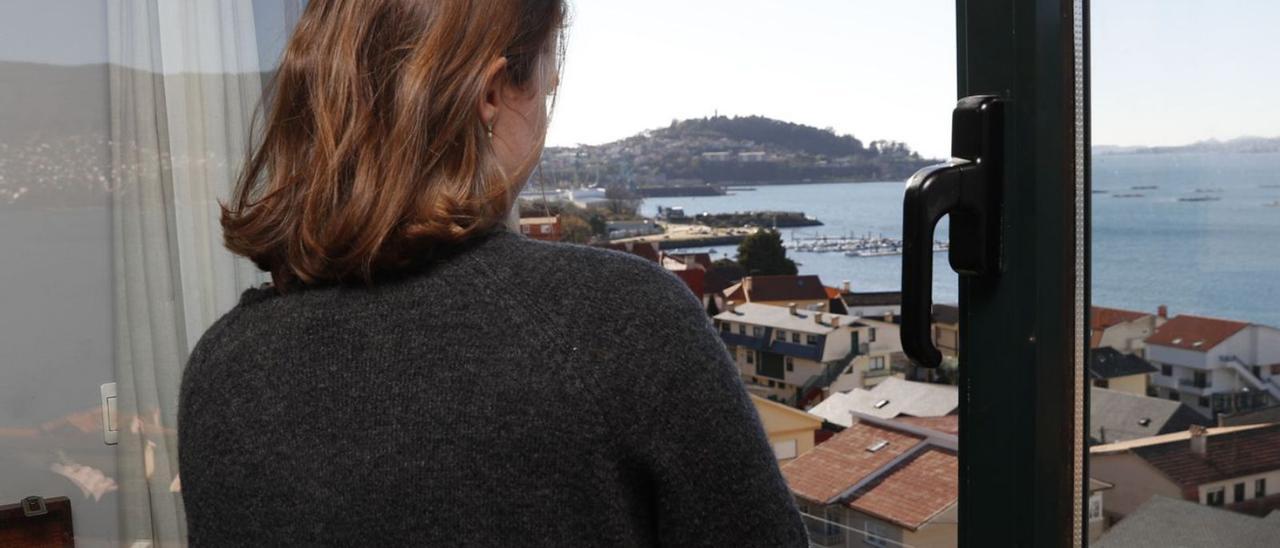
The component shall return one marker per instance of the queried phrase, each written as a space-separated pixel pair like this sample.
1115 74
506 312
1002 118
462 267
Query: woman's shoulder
565 272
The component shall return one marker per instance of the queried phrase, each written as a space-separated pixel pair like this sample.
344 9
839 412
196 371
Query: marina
854 246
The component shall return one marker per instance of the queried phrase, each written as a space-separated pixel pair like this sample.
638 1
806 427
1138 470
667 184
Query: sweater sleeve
691 423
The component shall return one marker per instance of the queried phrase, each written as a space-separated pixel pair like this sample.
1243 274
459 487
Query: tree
762 254
574 229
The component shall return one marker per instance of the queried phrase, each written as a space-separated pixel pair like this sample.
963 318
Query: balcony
745 341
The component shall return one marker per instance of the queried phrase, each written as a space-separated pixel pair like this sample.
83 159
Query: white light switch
110 419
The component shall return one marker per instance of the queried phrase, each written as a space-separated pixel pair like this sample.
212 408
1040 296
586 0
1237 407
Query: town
1184 421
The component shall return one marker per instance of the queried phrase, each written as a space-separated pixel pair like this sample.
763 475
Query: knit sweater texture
515 393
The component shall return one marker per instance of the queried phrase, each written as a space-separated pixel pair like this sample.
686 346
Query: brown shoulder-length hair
373 153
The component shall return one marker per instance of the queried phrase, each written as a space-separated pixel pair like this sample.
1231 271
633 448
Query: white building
1216 365
790 354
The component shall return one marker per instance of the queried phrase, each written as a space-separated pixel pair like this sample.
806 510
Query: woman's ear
493 88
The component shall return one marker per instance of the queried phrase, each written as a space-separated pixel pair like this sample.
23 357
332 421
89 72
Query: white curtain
184 83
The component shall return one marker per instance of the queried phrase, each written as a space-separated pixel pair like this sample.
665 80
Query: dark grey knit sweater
518 393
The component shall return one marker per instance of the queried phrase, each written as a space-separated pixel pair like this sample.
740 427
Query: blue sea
1216 258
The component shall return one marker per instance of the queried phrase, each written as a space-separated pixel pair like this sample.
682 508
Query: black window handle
968 187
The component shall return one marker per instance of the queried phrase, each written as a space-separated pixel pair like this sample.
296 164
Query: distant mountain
1239 145
722 150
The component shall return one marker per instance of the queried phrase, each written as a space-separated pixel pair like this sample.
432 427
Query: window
1095 507
725 327
785 449
811 340
1203 401
1173 395
1215 496
742 329
1166 370
877 534
1239 492
1199 379
877 363
795 336
781 335
791 364
1102 383
757 331
871 335
1260 487
751 356
546 229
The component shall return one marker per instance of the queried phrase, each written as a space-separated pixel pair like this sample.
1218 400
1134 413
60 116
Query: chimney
1199 440
817 318
746 287
731 306
688 261
835 321
1162 311
844 287
792 308
888 316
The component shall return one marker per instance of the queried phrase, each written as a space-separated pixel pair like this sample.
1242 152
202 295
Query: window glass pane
120 126
1186 316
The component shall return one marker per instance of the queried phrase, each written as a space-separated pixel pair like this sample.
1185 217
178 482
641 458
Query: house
879 482
880 357
1110 368
1164 522
786 353
946 329
893 398
1216 365
1123 330
791 432
541 228
806 291
1121 416
1236 467
870 303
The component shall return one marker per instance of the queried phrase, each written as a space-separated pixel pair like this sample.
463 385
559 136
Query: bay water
1218 255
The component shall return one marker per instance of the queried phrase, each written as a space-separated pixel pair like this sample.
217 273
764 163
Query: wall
1133 384
1135 481
1273 486
940 532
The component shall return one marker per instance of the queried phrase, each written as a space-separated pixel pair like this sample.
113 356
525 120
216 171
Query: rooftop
1119 416
901 473
1195 332
946 313
1163 522
777 288
889 399
780 317
1109 363
1102 317
1231 452
873 298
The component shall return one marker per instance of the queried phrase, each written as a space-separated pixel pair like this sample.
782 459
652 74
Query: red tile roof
1228 455
647 250
908 493
778 288
1195 332
914 491
830 469
1102 317
948 424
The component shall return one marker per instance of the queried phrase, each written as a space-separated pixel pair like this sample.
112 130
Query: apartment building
1235 467
789 354
1216 365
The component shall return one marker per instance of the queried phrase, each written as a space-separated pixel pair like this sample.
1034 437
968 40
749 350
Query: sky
1165 72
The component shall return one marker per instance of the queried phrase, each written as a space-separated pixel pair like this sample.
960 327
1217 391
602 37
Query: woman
418 374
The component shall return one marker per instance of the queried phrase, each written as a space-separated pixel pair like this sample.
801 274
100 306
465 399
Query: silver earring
488 130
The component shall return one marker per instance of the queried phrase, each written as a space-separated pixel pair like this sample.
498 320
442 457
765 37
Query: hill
725 150
1239 145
